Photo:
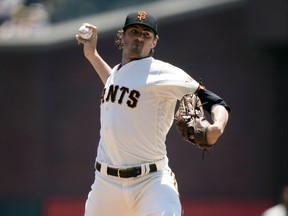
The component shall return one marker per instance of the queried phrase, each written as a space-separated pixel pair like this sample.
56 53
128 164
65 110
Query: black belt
126 172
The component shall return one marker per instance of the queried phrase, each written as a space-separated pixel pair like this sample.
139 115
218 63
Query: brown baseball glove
191 121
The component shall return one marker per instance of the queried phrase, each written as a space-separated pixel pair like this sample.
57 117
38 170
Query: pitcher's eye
140 33
147 34
134 31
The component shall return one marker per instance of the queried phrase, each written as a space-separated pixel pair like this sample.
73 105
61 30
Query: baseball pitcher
132 173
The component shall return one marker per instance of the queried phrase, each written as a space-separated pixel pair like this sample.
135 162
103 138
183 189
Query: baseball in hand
85 32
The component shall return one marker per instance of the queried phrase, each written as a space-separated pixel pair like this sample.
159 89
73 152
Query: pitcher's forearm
100 66
90 52
219 115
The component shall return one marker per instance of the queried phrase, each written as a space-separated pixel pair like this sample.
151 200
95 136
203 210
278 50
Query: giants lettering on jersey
117 94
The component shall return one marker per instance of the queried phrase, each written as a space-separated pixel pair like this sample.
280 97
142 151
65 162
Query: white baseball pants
153 194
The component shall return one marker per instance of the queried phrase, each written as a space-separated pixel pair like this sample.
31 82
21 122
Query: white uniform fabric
155 194
137 111
277 210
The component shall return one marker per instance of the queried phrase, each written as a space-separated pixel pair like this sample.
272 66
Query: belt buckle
135 171
122 170
118 173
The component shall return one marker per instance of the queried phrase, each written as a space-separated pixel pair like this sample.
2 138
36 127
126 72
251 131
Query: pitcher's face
138 40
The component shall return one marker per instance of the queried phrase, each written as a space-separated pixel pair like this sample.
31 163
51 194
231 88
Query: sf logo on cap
142 15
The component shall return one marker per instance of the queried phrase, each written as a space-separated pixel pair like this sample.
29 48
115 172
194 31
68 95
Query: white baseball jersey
137 111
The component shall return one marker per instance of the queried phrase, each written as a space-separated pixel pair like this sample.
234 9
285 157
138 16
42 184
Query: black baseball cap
143 18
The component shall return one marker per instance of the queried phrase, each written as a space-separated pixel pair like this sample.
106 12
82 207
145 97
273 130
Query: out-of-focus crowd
32 18
20 18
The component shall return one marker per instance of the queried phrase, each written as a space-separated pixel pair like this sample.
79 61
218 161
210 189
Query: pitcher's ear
154 43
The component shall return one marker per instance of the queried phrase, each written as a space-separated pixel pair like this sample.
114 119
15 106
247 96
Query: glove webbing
188 115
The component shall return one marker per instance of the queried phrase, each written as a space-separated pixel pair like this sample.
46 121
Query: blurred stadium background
49 101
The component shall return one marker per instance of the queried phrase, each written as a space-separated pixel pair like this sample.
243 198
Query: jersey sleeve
172 82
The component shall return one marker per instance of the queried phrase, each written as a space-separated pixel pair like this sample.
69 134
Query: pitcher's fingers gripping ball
191 121
84 32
